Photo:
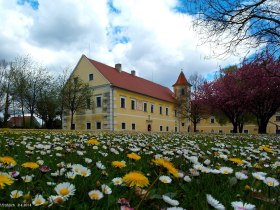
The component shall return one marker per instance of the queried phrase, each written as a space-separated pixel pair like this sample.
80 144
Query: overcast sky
152 37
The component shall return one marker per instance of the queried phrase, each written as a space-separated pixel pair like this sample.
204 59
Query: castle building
122 101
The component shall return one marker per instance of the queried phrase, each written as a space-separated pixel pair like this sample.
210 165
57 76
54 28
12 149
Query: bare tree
250 23
197 109
75 93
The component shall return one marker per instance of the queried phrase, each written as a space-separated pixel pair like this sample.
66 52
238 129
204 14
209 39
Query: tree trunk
72 116
240 127
262 126
235 126
23 118
6 112
194 126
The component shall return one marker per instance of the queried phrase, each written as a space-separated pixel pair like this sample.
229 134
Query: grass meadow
82 170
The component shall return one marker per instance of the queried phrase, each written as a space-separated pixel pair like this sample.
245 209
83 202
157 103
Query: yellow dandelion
119 164
168 165
134 156
266 148
135 178
8 160
236 160
93 142
5 180
32 165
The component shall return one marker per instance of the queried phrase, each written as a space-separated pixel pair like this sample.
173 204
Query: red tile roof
182 80
133 83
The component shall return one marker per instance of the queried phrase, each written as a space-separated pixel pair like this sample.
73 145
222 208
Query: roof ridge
130 74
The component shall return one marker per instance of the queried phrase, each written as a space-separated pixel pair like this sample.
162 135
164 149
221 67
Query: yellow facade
117 109
210 125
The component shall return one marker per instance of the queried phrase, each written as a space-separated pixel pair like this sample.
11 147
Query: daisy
214 203
38 200
106 189
85 172
226 170
70 175
187 179
100 165
165 179
271 182
239 205
16 194
170 201
240 176
259 175
27 178
175 208
88 160
95 195
65 189
135 178
57 199
117 181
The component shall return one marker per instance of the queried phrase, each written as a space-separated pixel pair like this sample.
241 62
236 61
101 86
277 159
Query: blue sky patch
112 8
33 3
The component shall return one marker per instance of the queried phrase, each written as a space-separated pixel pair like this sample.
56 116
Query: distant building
122 101
17 122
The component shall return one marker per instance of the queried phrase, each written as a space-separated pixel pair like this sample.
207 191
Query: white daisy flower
187 179
57 199
226 170
170 201
214 203
65 189
259 175
106 189
117 181
27 178
271 182
38 200
16 194
239 205
165 179
70 175
88 160
240 176
95 195
100 165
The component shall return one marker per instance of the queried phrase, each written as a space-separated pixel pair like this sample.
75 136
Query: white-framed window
167 128
160 110
133 126
160 128
98 125
212 120
145 106
123 102
166 111
98 101
152 108
132 104
123 126
90 77
88 125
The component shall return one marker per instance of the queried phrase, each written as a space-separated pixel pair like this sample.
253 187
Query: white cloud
148 36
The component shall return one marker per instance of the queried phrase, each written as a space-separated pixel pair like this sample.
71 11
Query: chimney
133 72
118 66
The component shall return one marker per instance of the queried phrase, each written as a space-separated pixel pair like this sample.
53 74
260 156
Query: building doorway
149 127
